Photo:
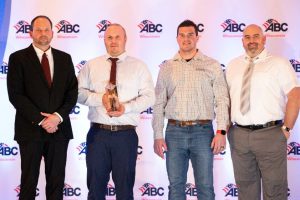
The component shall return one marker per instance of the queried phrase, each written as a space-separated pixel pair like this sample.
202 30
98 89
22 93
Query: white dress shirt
134 84
272 79
49 55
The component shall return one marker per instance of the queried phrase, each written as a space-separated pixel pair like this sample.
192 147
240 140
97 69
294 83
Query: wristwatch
286 128
222 132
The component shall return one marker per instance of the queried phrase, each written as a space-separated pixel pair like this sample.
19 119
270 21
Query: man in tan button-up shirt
190 91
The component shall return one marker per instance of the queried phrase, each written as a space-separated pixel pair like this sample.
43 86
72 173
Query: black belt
260 126
188 123
113 128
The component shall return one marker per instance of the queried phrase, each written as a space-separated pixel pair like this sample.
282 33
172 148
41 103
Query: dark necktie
46 69
112 80
113 70
245 90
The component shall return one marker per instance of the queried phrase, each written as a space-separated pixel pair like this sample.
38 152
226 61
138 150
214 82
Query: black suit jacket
30 95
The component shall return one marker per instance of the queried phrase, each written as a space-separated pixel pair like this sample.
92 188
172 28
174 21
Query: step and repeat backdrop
79 28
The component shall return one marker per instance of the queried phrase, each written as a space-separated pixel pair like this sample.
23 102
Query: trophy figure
113 96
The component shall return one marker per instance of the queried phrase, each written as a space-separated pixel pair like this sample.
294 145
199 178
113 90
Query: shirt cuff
42 121
158 135
222 126
61 119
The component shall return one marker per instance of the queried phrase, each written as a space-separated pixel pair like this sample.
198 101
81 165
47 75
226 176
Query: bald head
116 25
115 39
253 27
253 40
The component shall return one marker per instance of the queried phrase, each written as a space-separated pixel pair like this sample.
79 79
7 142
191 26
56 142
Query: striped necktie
245 90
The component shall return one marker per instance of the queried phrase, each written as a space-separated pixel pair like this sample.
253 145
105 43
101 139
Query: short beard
252 48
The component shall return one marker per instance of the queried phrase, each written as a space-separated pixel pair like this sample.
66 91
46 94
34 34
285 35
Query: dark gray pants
259 156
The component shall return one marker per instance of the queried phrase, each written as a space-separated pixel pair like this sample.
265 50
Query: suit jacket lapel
56 69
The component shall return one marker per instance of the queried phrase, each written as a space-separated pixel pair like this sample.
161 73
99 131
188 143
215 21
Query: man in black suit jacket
43 101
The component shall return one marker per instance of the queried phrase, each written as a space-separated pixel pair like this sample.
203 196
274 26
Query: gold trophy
113 96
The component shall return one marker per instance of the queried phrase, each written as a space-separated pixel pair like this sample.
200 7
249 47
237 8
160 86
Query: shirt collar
260 56
121 57
40 52
198 56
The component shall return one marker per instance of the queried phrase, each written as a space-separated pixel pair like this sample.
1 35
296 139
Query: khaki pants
259 156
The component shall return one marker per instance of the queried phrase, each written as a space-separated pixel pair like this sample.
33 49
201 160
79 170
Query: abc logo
68 28
277 27
110 191
296 68
148 111
191 190
139 150
152 191
151 28
65 27
7 151
200 27
295 64
82 148
72 191
295 150
24 29
75 110
4 68
103 29
102 25
235 27
83 151
232 192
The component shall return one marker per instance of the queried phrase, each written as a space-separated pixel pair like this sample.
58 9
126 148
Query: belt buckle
181 123
185 123
190 123
252 127
272 123
113 128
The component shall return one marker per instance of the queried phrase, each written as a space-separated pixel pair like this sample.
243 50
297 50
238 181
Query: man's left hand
219 143
51 122
286 134
120 111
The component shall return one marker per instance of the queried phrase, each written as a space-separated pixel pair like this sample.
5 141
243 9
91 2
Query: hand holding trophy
111 101
113 97
110 98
